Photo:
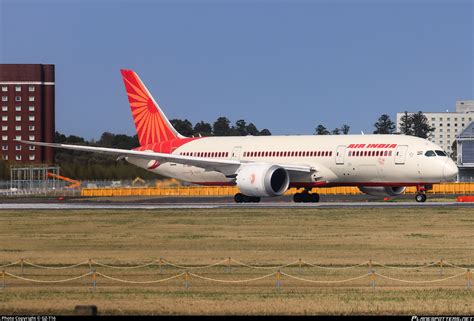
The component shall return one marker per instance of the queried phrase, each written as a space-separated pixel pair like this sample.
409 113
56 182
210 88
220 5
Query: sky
284 65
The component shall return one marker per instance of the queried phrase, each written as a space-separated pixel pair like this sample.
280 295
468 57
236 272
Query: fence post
469 279
372 276
94 280
160 264
228 268
21 264
441 267
278 277
186 280
300 262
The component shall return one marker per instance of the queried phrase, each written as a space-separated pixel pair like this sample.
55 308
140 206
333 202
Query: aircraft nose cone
450 171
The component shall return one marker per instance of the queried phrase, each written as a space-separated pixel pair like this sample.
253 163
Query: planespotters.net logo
416 318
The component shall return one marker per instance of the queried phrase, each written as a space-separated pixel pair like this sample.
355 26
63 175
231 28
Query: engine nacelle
382 190
262 180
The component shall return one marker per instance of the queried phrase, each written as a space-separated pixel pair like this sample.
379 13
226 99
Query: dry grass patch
330 237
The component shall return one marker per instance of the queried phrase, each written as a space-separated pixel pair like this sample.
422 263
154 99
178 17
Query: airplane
267 166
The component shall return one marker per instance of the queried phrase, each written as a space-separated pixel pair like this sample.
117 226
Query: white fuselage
376 160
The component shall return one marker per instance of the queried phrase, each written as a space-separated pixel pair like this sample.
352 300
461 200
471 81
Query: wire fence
278 273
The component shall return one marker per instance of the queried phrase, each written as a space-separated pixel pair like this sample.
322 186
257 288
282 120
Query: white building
447 124
465 154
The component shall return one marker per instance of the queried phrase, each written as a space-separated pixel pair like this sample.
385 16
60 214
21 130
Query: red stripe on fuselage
325 184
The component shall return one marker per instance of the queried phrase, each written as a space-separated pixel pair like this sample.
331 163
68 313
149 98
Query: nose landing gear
420 194
420 197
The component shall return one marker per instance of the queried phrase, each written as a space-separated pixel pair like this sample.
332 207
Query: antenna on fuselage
362 132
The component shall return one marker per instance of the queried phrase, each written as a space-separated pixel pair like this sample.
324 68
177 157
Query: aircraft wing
225 166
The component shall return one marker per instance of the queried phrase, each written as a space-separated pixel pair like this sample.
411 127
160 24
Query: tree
252 130
202 129
336 131
59 138
221 127
406 124
240 128
384 125
265 132
454 151
345 129
420 125
184 127
106 139
321 130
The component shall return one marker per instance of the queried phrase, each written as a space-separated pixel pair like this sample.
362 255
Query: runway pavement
264 205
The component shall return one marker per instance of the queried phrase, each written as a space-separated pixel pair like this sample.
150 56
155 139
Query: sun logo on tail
150 123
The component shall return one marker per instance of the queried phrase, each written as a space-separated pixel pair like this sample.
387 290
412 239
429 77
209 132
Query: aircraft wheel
256 199
239 198
247 199
420 197
315 198
297 198
306 197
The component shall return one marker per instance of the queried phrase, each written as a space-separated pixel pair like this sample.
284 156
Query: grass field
327 237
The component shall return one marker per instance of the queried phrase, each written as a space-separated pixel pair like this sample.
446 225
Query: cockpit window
430 153
440 153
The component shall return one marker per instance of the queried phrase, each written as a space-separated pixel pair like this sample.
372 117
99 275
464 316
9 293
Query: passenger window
430 153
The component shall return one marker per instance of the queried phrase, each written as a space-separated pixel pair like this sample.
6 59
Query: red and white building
27 112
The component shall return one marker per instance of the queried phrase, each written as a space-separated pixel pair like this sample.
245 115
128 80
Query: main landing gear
306 197
420 194
241 198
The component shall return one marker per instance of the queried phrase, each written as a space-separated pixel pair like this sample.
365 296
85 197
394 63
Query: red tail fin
150 122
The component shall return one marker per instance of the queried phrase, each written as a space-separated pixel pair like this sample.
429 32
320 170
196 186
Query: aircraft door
236 152
401 154
341 150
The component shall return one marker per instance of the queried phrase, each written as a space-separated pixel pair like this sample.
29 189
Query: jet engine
382 190
262 180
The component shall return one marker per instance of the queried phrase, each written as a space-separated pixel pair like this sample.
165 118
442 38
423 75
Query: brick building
27 112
